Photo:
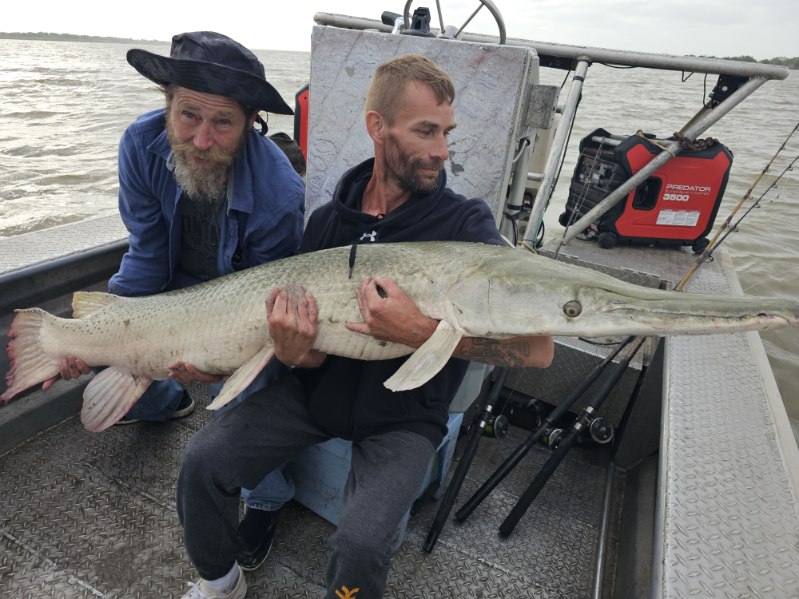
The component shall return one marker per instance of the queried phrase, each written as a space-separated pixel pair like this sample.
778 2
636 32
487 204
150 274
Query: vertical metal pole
559 142
602 540
519 180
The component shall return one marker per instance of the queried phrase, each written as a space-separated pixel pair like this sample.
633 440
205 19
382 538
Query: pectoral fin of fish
109 396
426 361
243 376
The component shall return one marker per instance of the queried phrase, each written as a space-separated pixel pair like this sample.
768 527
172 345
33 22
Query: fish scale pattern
219 324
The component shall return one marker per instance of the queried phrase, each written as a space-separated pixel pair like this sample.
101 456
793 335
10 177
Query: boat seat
321 472
487 77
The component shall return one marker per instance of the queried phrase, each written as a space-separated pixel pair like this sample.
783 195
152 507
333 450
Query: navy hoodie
347 397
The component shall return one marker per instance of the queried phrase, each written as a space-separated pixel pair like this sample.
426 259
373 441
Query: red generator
676 205
302 99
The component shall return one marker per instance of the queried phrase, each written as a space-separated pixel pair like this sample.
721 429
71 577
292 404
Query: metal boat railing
579 59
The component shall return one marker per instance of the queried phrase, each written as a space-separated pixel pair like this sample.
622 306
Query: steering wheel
481 3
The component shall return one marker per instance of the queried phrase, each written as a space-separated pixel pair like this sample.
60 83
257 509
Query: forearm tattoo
497 352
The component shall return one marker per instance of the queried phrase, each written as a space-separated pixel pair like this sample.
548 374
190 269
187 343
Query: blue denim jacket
263 218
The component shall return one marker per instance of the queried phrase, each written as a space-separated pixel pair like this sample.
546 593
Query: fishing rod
705 255
522 450
756 204
582 422
595 403
466 460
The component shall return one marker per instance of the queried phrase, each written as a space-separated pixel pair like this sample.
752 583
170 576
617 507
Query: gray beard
201 186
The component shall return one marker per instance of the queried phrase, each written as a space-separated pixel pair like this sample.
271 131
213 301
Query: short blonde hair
392 76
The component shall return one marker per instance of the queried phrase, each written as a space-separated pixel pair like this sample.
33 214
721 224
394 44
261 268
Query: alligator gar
474 290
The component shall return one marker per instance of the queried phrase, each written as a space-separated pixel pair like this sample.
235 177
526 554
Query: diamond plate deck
93 515
728 469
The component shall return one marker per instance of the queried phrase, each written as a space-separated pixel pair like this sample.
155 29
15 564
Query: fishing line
580 202
770 187
734 228
770 278
705 255
756 204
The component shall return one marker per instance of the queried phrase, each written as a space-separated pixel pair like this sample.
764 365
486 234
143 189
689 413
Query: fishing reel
551 437
496 426
599 430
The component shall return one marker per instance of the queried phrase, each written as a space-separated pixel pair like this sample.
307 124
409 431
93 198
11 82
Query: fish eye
572 309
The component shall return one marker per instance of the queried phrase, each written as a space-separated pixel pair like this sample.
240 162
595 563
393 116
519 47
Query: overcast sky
759 28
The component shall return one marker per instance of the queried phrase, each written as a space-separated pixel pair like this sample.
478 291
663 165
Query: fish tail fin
29 364
109 396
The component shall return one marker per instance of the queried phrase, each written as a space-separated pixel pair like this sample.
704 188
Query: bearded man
203 194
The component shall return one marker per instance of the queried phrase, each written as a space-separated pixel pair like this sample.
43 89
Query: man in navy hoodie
399 195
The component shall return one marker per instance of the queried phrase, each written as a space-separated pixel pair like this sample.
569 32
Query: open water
64 105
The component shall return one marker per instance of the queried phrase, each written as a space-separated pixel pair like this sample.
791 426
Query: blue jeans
159 402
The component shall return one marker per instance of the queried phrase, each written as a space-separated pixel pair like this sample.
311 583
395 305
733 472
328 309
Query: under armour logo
370 236
346 593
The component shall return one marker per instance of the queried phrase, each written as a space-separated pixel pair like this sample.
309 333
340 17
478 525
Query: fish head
635 310
513 292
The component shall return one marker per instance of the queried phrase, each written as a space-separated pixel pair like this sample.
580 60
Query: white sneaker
200 590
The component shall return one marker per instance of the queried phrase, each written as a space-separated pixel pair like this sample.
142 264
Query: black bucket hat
213 63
